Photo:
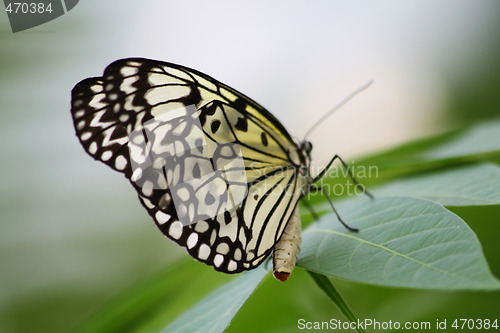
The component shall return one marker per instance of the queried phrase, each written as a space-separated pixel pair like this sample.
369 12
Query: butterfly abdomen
287 249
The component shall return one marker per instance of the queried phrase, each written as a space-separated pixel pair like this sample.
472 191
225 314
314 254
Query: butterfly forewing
216 171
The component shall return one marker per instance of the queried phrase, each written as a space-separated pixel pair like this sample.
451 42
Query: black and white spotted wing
216 171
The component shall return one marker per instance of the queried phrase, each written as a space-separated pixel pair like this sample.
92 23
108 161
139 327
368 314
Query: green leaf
481 139
215 312
465 186
327 286
476 143
402 242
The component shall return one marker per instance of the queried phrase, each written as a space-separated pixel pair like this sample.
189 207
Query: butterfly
218 173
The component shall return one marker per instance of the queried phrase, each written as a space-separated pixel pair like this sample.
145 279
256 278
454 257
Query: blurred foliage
473 90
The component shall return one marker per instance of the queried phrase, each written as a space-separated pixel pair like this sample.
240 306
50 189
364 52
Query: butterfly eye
303 171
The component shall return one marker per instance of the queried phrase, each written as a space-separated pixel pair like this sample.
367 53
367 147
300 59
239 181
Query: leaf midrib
388 250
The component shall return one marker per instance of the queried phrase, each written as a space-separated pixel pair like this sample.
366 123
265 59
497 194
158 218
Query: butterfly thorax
304 151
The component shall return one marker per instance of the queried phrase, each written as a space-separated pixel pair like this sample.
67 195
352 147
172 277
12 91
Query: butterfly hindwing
216 171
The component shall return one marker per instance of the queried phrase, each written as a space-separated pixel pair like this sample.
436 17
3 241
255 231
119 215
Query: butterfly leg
310 209
349 172
314 188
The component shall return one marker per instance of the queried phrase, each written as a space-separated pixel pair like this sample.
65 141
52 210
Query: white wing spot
148 203
175 230
93 148
231 266
201 226
161 217
106 155
203 251
192 240
181 210
127 71
124 118
137 156
222 248
213 237
96 88
138 139
136 175
79 113
120 162
183 194
237 254
113 97
85 136
80 124
147 188
218 260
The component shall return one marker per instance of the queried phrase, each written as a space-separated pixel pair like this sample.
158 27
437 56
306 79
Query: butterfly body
218 173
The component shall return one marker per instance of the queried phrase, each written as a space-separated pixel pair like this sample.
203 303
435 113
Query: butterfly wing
216 171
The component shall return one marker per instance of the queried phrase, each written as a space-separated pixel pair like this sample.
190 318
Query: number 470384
477 324
28 8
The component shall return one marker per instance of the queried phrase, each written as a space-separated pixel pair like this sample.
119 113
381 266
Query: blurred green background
73 235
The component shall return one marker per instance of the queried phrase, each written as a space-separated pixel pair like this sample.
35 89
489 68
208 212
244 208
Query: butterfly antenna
338 106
